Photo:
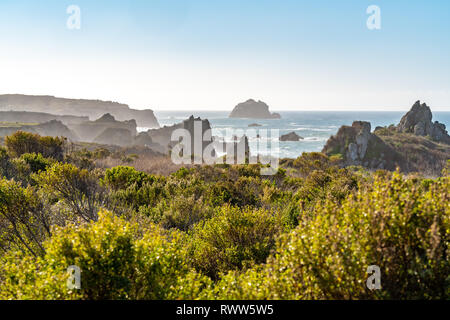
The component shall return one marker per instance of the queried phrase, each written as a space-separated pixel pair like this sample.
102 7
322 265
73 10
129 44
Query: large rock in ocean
252 109
418 121
292 136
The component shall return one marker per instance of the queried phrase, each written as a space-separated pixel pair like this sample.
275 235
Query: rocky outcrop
358 146
115 136
38 117
292 136
163 135
418 121
252 109
416 144
91 108
89 131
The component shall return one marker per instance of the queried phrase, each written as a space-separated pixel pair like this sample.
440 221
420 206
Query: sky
212 54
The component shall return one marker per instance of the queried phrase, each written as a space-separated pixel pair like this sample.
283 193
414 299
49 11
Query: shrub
24 223
26 142
78 188
6 168
402 225
233 239
178 212
114 264
310 161
122 177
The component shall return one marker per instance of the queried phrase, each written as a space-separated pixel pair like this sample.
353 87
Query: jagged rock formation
115 136
292 136
38 117
90 131
52 128
416 144
252 109
163 135
143 139
418 121
91 108
358 146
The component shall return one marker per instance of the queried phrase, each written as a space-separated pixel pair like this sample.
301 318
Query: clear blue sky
198 54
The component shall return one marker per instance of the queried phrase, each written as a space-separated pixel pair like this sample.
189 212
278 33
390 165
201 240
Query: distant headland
94 109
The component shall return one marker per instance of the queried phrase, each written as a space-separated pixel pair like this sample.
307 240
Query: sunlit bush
26 142
115 264
233 239
401 225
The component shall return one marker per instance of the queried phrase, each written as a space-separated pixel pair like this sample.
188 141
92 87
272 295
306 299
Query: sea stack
252 109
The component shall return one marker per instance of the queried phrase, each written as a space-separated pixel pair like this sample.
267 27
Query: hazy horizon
196 54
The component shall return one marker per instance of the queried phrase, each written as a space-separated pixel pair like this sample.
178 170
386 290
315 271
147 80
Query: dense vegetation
216 232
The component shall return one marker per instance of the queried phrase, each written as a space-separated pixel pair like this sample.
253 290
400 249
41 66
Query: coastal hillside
94 109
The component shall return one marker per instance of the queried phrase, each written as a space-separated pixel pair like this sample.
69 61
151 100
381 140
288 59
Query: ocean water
315 127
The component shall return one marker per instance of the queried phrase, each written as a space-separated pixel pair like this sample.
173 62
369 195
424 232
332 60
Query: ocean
315 127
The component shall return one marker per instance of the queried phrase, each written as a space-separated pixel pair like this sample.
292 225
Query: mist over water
315 127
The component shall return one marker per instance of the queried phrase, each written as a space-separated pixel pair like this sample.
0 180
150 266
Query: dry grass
421 153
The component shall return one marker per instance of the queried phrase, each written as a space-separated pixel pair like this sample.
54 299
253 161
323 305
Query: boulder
292 136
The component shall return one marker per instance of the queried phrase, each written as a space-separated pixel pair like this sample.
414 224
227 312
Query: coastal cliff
77 107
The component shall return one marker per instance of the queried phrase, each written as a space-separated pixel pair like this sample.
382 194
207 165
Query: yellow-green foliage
234 238
222 231
115 264
21 219
77 188
26 142
401 224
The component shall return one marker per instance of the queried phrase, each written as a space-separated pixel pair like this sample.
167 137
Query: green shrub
178 212
122 177
401 225
77 188
26 142
114 263
6 168
24 223
233 239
